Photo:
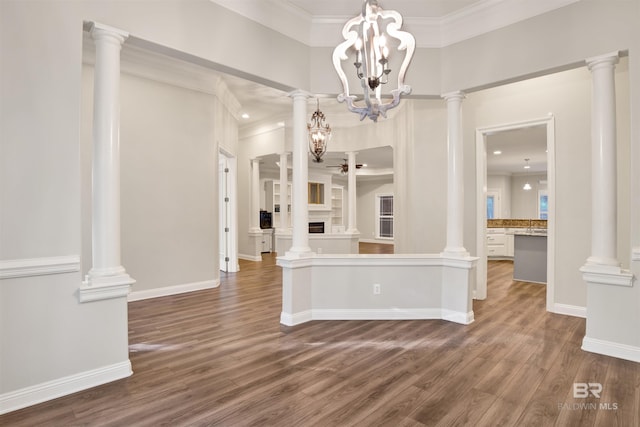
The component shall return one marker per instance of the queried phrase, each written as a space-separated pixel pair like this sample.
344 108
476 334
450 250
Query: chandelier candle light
367 37
319 135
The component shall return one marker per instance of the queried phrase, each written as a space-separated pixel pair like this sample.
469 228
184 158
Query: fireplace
316 227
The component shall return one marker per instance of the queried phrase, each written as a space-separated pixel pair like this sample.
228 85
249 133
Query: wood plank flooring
221 358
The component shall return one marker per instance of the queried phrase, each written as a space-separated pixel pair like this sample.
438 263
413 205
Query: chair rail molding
29 267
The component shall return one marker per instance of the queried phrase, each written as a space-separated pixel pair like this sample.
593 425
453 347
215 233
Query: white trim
385 241
49 390
289 319
570 310
249 257
98 288
29 267
173 290
430 32
606 275
331 260
376 314
609 348
458 317
635 254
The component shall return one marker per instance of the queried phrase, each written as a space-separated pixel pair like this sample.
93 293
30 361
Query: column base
606 274
455 253
97 287
298 253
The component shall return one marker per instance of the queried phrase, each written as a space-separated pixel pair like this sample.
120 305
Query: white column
254 223
455 176
284 184
352 227
603 161
106 270
300 179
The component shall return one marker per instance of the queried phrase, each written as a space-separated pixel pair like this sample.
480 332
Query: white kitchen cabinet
499 243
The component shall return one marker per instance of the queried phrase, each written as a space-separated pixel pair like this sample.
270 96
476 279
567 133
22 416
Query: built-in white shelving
274 201
337 208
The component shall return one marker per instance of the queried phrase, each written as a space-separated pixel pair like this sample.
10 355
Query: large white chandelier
367 38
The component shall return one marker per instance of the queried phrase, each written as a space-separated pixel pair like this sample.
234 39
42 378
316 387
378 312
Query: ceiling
409 8
266 104
515 146
377 163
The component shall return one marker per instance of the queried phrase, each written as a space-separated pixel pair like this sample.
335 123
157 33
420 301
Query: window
316 193
543 204
493 203
384 210
490 211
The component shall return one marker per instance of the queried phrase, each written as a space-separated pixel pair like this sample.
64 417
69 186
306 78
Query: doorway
227 202
482 135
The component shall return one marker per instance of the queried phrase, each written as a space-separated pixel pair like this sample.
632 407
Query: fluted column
284 184
254 223
352 226
106 271
300 179
603 161
455 176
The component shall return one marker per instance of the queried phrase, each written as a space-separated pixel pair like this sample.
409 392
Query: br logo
583 390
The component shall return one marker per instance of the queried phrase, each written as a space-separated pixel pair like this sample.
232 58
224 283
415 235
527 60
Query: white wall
250 147
45 334
524 203
566 95
420 170
501 183
40 169
366 206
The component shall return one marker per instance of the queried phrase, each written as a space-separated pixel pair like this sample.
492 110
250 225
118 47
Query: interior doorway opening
547 125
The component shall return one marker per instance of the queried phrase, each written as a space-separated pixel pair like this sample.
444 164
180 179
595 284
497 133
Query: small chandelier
319 135
366 37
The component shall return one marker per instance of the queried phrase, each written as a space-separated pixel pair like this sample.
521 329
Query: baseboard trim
458 316
289 319
173 290
613 349
13 268
382 242
570 310
250 257
49 390
377 314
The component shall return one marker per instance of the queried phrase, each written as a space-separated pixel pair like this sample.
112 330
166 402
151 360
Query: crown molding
479 18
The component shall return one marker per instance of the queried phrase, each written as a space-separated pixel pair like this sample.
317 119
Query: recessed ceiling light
245 116
497 152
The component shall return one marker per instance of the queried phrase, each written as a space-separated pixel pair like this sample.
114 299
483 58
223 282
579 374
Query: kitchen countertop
541 233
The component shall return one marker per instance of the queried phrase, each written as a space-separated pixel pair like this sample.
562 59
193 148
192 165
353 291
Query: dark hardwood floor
221 358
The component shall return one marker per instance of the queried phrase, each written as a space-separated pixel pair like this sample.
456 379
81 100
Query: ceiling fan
344 167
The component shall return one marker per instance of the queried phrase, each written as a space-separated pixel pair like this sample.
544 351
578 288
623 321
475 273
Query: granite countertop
541 233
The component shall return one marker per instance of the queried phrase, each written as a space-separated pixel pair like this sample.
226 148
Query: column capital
608 59
456 95
299 93
100 31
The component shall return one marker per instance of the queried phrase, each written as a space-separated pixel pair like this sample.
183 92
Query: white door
227 203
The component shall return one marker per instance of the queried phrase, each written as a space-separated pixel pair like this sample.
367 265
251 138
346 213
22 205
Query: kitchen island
530 256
